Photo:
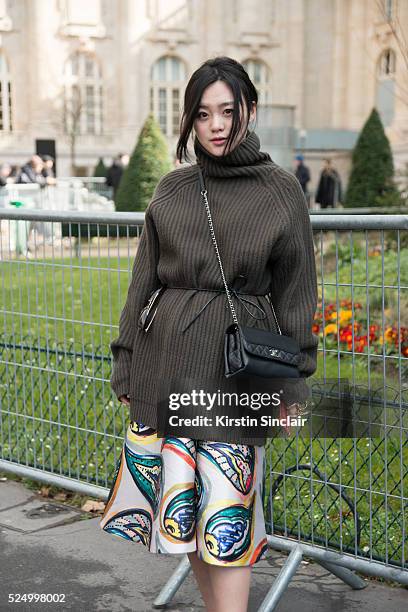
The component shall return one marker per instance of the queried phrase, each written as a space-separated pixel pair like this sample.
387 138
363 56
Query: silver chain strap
234 316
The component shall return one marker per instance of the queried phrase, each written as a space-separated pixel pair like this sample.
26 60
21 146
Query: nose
217 123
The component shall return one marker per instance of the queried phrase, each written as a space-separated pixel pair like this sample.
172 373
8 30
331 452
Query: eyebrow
219 106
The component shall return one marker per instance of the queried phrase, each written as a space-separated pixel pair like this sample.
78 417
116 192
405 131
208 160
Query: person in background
15 169
5 174
125 160
48 169
302 173
31 172
115 172
329 189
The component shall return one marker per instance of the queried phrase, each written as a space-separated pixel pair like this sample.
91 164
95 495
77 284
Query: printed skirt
178 495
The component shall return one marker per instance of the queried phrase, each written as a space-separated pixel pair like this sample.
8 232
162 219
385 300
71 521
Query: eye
229 110
201 113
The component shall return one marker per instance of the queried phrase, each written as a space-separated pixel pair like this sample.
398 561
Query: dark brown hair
217 69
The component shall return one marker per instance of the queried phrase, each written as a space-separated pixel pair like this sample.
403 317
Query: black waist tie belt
218 292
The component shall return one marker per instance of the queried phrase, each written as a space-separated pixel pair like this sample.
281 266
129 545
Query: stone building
94 69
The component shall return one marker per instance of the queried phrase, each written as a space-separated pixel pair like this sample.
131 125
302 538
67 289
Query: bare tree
73 108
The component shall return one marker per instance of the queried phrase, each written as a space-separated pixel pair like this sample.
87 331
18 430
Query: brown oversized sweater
264 236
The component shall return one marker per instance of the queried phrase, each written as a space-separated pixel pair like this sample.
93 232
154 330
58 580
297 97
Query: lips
218 140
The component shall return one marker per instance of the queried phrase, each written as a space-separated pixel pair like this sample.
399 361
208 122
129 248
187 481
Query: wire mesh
61 300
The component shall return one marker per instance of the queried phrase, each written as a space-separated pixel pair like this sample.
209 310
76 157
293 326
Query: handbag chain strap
203 192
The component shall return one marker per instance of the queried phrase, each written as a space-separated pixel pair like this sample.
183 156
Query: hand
125 399
294 409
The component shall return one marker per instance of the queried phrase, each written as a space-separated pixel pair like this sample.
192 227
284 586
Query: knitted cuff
295 390
120 379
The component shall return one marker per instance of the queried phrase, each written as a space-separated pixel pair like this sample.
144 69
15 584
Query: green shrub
371 180
100 169
149 161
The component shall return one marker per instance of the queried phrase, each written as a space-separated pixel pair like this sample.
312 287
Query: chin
218 151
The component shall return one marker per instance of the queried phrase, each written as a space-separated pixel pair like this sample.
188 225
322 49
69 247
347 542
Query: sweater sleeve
294 287
143 282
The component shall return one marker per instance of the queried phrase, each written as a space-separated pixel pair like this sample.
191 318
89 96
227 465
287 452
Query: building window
83 95
386 64
168 75
6 123
385 90
258 72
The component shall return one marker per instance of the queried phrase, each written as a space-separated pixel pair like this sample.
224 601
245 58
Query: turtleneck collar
238 162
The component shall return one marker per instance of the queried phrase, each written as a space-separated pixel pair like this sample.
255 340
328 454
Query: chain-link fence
342 501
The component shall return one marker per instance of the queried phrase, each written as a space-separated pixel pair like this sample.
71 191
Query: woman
328 192
201 492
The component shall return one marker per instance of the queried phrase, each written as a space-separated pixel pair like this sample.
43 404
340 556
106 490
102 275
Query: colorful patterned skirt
178 495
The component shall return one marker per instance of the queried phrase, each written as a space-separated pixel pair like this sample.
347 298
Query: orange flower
389 333
345 315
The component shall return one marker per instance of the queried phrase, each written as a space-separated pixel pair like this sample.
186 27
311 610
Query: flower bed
336 327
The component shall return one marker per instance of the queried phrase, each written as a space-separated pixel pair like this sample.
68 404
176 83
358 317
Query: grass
59 414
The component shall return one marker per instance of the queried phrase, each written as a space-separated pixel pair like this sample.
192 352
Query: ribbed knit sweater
265 240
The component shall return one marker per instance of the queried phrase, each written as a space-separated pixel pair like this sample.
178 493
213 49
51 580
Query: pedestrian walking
302 173
115 172
200 492
328 192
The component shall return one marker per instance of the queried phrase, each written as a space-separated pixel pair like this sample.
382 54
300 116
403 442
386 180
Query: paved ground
48 548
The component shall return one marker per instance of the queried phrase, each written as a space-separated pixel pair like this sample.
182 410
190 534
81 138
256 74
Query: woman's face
214 118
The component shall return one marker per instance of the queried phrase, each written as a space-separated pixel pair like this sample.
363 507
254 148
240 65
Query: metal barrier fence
342 502
90 194
95 184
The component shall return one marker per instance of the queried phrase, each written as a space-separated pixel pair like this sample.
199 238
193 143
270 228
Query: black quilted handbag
251 351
